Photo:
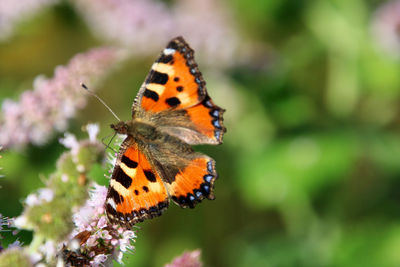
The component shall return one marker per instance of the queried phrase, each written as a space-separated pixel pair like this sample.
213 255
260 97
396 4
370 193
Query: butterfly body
156 161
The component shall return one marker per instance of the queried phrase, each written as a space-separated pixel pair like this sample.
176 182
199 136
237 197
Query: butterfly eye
121 127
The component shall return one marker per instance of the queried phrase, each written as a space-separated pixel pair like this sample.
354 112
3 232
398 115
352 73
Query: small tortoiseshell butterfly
171 112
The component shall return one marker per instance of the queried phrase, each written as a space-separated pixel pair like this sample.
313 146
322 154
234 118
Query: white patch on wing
119 188
155 187
169 51
164 68
131 172
112 203
184 98
158 88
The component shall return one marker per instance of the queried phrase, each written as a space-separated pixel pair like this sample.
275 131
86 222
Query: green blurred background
310 166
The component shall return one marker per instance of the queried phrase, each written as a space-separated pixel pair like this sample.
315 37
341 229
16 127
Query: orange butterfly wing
174 101
174 81
208 121
175 88
136 191
194 183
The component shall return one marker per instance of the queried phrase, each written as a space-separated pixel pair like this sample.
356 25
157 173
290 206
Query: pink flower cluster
11 12
187 259
1 176
53 101
98 239
145 26
386 25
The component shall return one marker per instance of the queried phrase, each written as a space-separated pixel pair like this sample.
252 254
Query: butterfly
156 162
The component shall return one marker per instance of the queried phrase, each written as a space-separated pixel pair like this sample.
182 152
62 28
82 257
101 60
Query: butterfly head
121 127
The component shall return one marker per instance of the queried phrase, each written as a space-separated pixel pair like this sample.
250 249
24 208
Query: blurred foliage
309 170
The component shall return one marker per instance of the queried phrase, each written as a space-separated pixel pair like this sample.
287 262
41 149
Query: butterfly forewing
136 191
174 81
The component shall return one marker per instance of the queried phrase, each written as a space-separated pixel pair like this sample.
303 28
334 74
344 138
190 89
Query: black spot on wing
151 94
128 162
157 77
173 44
121 177
145 188
172 101
176 79
165 58
112 193
179 88
150 175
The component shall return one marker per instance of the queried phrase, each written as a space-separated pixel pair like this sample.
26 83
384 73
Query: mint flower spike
1 176
52 102
68 217
128 24
187 259
48 211
94 241
12 12
385 28
99 241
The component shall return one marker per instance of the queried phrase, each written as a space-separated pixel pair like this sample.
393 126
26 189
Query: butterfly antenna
101 100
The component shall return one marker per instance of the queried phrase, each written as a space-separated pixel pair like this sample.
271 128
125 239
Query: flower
386 25
1 176
48 249
47 108
214 39
49 210
91 211
70 141
4 224
128 23
93 130
21 222
11 12
187 259
206 24
99 241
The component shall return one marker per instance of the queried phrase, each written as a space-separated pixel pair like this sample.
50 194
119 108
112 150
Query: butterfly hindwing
200 124
136 191
194 183
189 176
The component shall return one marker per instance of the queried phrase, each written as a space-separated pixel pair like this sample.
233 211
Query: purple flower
208 27
92 211
144 26
49 250
11 12
93 130
100 241
53 101
187 259
128 23
1 176
386 25
4 223
99 260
